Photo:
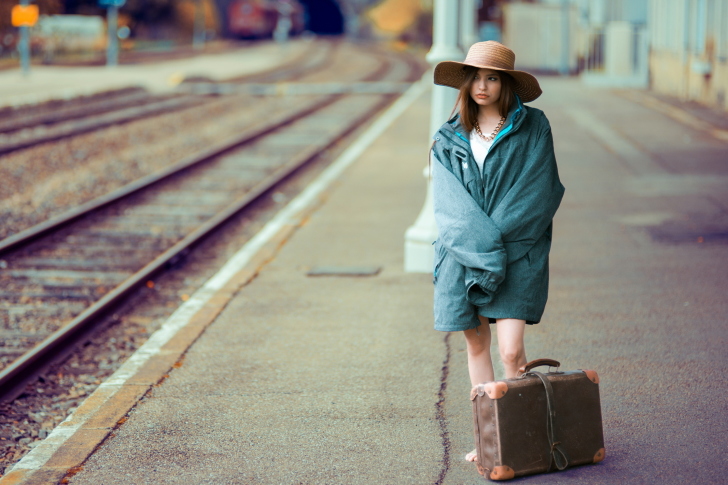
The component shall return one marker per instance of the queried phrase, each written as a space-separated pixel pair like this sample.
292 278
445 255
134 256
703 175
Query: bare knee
477 344
477 348
510 343
513 356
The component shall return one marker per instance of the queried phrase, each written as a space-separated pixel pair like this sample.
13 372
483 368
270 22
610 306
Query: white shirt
480 148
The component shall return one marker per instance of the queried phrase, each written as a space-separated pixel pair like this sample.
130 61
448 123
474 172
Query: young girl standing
496 189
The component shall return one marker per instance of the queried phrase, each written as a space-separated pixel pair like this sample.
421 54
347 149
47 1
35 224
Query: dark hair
469 108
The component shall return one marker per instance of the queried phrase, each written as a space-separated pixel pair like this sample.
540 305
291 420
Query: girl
496 189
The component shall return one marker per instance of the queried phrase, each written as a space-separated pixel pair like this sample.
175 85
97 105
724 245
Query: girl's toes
472 456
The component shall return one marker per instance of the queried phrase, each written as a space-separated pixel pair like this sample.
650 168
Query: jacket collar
457 134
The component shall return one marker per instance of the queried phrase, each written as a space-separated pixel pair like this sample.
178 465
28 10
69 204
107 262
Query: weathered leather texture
512 429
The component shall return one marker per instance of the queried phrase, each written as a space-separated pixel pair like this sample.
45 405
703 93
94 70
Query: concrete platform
302 379
53 82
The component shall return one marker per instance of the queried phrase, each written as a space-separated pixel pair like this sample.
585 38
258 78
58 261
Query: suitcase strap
558 457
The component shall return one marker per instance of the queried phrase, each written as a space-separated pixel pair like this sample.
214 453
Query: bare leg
512 352
480 365
510 344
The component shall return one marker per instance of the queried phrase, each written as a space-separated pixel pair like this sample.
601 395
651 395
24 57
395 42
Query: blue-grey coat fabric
491 255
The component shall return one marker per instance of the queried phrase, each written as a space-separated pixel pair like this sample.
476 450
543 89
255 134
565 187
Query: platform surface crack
440 412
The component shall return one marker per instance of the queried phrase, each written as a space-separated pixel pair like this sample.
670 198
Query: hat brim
453 74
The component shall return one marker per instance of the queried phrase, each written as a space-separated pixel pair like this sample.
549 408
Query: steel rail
62 342
86 107
31 233
302 64
58 345
27 235
183 100
151 56
86 125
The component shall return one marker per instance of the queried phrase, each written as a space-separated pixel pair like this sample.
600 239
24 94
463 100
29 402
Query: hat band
490 63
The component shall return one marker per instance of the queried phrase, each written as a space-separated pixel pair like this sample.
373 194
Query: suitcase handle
537 363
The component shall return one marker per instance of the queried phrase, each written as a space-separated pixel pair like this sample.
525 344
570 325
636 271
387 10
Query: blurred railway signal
124 32
24 16
112 22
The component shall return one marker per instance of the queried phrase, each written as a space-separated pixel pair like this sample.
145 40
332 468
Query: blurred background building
675 47
689 49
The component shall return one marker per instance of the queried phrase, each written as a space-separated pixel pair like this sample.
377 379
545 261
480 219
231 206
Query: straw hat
488 55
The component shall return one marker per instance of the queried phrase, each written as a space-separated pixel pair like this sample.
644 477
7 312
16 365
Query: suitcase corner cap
599 455
592 375
494 390
502 473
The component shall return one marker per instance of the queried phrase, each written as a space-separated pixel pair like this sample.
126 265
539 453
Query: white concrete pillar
565 67
468 23
418 250
618 49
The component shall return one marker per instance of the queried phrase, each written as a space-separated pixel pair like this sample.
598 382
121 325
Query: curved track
80 265
25 127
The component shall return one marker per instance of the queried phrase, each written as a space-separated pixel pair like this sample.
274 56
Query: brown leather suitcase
537 422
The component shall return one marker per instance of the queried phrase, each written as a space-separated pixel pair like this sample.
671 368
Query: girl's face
486 87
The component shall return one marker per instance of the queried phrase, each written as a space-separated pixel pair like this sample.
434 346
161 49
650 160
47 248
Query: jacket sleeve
527 209
468 234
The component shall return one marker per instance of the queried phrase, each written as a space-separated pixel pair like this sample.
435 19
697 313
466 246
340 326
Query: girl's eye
492 78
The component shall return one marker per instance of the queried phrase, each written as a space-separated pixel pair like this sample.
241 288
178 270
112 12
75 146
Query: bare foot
472 456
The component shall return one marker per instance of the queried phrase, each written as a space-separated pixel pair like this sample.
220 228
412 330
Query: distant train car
257 19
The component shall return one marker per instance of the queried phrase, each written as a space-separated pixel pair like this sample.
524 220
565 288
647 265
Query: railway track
22 128
60 277
14 119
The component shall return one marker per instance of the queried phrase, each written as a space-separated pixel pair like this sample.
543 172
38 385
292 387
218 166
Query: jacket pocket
439 258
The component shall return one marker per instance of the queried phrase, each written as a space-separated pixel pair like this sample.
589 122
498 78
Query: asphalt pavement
340 379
